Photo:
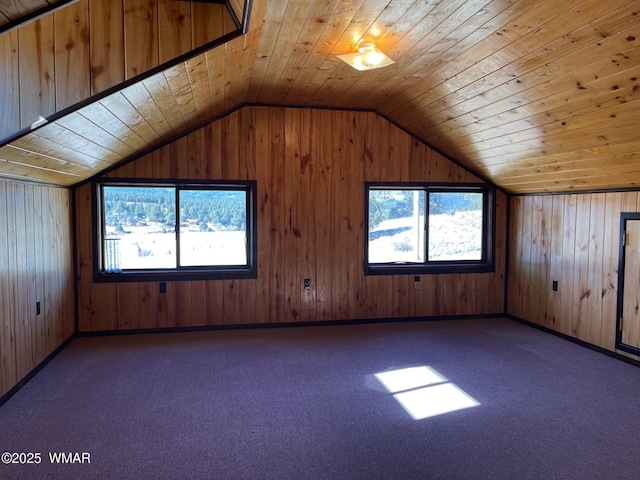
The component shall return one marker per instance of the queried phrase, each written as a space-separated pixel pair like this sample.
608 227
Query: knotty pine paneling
107 47
140 36
36 264
9 82
573 239
36 56
310 166
92 45
72 39
536 96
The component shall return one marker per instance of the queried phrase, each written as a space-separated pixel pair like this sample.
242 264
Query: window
151 230
418 228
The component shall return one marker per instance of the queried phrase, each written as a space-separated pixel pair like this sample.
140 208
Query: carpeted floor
303 403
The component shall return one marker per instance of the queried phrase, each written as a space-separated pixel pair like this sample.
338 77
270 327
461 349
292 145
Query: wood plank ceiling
14 12
534 95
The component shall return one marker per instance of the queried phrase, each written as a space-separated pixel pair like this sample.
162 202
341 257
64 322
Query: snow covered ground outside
451 237
143 248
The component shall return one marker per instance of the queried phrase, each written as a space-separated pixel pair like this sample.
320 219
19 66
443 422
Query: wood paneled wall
573 239
36 264
310 166
92 45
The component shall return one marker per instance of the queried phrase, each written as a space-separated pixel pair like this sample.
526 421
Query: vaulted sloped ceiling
87 69
537 96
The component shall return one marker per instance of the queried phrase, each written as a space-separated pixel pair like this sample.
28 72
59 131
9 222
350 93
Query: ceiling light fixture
368 57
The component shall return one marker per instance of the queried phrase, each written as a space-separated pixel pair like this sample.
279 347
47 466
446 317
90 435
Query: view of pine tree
451 202
211 210
391 204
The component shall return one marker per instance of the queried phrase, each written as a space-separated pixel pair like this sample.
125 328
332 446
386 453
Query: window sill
433 268
176 276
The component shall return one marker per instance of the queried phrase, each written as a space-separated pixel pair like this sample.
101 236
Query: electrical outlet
554 285
307 284
417 283
163 287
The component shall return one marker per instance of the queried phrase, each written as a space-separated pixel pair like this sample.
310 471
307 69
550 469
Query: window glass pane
396 226
213 227
455 226
139 228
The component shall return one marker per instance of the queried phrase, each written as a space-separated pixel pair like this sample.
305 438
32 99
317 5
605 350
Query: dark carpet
303 403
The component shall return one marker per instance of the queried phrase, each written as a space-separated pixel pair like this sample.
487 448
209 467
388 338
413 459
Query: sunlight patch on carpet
409 378
424 393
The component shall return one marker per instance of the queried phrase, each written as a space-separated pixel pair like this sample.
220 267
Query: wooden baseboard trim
577 341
